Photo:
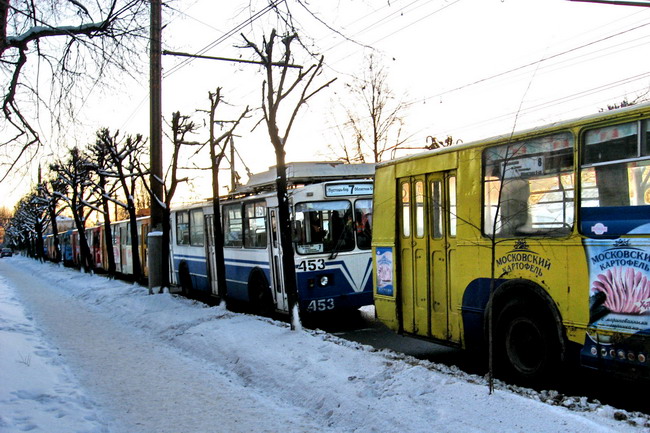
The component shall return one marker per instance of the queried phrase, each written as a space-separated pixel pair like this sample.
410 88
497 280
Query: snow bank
345 386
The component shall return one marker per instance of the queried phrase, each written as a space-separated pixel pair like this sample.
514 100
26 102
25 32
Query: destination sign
345 189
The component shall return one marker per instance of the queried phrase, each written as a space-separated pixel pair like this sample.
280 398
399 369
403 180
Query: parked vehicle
331 211
536 244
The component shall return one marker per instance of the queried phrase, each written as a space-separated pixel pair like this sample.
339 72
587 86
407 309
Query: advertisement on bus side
619 281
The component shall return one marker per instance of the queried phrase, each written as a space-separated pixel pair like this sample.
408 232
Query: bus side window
615 180
363 218
196 227
255 225
529 187
232 225
182 228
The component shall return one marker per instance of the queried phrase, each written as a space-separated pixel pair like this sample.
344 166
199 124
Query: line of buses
536 243
331 212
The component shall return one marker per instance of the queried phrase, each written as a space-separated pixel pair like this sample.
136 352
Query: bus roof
644 109
302 173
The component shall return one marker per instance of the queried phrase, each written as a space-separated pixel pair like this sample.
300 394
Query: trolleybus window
182 228
406 209
363 217
232 225
436 209
453 220
325 227
529 187
196 227
255 225
615 187
419 209
189 227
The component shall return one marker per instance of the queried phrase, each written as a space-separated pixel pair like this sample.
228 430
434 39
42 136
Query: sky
83 353
469 69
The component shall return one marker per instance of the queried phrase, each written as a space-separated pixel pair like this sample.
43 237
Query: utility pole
156 279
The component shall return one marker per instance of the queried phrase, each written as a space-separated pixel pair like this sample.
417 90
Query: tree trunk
108 240
135 243
86 258
40 255
288 262
55 234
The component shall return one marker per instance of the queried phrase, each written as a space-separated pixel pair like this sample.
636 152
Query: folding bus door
275 261
425 250
414 256
441 195
211 254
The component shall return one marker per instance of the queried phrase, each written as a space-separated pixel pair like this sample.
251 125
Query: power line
549 103
527 65
224 37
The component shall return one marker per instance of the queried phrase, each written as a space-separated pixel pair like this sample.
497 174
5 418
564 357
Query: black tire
259 292
527 346
185 279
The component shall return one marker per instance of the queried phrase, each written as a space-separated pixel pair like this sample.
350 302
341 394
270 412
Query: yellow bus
547 229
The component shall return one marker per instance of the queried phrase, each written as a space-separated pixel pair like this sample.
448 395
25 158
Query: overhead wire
224 37
379 20
529 64
526 111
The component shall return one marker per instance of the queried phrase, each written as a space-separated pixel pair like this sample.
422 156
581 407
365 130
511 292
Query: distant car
6 252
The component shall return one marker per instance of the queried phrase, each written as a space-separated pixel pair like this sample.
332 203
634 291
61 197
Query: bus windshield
324 227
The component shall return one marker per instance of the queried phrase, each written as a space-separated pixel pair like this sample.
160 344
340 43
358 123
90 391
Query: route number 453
312 265
321 305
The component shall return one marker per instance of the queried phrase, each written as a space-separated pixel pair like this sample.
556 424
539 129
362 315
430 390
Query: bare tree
181 127
53 47
217 153
124 155
75 174
374 118
50 192
275 90
26 225
105 188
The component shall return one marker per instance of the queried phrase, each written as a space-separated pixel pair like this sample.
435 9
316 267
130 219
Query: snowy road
142 385
82 353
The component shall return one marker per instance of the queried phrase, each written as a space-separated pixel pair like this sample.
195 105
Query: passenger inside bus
515 215
317 233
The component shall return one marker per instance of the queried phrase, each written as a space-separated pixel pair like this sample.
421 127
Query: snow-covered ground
83 353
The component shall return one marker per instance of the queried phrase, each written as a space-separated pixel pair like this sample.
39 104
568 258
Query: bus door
442 245
211 254
414 256
424 254
275 260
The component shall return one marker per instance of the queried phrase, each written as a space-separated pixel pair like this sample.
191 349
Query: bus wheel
261 302
184 278
527 349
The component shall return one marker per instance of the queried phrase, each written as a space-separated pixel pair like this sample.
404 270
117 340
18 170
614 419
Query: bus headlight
324 281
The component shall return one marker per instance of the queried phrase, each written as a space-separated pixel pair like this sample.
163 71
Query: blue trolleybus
331 212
